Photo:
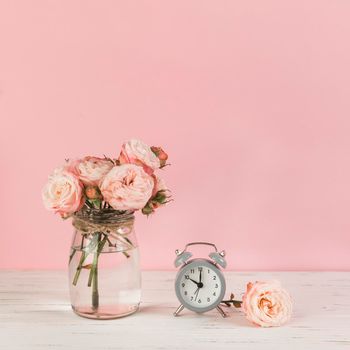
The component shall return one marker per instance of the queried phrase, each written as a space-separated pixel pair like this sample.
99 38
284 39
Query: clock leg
222 312
178 310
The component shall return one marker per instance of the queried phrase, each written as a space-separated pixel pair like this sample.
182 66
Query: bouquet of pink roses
128 183
101 195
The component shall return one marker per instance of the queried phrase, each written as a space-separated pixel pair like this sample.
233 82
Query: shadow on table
234 317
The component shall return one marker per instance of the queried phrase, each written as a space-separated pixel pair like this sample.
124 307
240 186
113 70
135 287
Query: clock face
200 286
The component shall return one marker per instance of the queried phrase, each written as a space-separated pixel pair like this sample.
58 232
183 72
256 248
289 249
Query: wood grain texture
35 314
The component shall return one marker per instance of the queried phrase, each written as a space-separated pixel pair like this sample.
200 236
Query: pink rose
90 170
127 187
267 304
63 192
137 152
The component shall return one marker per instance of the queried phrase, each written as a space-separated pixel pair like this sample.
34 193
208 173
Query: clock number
187 277
208 271
183 284
185 292
214 277
208 300
192 270
214 294
216 285
191 298
200 269
199 301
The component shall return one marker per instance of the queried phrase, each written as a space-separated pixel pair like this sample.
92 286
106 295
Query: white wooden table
35 314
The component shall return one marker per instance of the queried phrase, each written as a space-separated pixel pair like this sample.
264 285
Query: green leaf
147 210
96 202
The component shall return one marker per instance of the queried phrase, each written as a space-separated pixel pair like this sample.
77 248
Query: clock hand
194 281
200 276
196 293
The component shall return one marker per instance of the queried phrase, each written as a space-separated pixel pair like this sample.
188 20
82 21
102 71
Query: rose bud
162 156
92 192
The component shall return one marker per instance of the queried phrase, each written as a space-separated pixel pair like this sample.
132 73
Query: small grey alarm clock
200 285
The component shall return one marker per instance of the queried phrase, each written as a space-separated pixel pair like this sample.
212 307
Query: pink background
249 98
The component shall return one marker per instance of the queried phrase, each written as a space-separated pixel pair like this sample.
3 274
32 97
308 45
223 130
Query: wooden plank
35 314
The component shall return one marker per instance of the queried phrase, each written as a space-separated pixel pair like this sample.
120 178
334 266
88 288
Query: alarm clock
200 285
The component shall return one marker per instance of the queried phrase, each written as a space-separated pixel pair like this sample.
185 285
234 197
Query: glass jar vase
104 270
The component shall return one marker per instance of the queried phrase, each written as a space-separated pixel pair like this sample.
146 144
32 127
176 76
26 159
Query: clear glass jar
104 270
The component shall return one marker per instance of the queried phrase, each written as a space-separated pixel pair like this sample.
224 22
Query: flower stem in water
96 255
94 272
80 266
84 254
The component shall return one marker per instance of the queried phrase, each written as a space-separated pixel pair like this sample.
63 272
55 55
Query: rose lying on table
265 304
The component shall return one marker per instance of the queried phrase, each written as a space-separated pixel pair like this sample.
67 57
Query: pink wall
249 98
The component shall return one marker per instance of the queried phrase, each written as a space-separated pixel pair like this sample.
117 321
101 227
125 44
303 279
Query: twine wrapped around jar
110 222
